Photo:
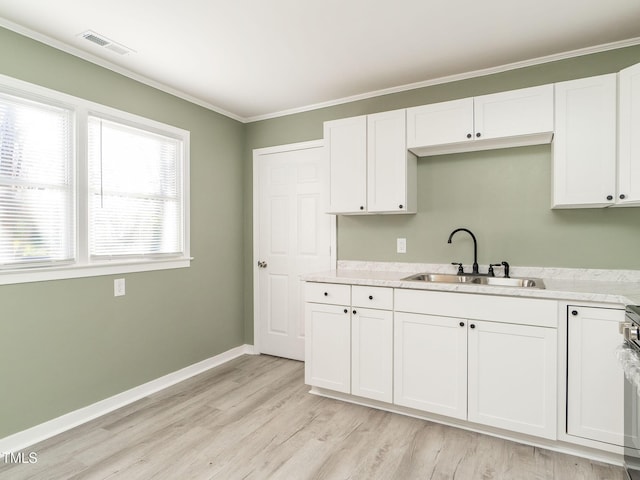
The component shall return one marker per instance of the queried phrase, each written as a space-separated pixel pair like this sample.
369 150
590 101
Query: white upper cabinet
370 168
584 146
346 144
629 140
506 119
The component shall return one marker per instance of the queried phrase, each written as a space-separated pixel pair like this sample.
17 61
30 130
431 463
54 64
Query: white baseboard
26 438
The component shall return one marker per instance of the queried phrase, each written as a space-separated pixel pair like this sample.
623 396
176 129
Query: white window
87 190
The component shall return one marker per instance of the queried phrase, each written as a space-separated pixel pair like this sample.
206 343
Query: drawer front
517 310
332 293
380 298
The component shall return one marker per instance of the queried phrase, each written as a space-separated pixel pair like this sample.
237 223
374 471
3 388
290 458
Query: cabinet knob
462 324
370 297
472 326
469 135
622 196
346 311
574 312
326 294
361 207
401 207
478 134
609 197
354 312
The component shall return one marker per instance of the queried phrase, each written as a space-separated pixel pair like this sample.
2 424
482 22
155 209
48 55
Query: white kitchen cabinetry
595 381
328 336
505 119
372 343
584 145
370 168
431 364
509 375
512 377
629 140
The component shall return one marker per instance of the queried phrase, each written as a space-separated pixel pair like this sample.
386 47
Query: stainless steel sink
476 280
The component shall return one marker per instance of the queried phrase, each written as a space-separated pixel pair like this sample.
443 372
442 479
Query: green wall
66 344
503 196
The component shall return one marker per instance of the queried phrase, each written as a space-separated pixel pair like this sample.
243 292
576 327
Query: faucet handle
460 269
505 264
491 272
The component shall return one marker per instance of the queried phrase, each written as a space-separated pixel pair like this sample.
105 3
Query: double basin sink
476 280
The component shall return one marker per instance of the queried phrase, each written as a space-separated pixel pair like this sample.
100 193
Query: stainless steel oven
629 356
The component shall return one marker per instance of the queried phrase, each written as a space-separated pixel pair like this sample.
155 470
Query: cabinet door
328 346
346 145
440 123
372 354
387 163
527 111
584 145
629 146
512 377
595 381
430 363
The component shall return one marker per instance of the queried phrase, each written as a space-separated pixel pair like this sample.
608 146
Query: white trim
256 226
451 78
76 52
31 436
316 106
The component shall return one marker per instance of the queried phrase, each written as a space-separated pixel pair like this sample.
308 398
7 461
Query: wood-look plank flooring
253 418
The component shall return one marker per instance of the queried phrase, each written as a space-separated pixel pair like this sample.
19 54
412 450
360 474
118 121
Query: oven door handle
628 331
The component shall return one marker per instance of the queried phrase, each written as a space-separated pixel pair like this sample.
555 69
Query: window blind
37 224
135 193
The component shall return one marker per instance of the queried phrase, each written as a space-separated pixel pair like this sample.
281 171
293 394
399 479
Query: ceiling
253 59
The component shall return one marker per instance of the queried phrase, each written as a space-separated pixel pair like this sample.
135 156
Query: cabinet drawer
523 311
372 297
333 293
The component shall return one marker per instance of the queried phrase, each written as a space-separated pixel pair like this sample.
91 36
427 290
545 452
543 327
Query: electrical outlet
118 287
401 245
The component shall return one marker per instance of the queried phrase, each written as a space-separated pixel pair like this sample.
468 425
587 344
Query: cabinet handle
346 311
609 197
401 207
326 294
472 326
462 324
469 135
478 134
354 312
622 196
361 207
574 312
370 297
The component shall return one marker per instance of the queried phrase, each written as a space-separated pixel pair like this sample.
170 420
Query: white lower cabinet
595 382
430 368
512 381
372 354
328 346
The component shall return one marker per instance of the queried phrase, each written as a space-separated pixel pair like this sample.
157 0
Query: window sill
94 270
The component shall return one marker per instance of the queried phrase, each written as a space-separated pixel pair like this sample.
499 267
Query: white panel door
512 377
430 363
372 354
629 146
293 237
346 150
440 123
595 381
526 111
328 344
584 144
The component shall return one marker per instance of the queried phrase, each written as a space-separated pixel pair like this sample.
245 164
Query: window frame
84 266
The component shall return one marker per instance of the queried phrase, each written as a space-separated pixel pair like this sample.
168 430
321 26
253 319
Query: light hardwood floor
253 418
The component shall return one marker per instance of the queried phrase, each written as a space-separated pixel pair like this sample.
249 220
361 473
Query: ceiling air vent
104 42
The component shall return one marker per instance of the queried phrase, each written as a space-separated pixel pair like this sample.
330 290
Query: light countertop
620 287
